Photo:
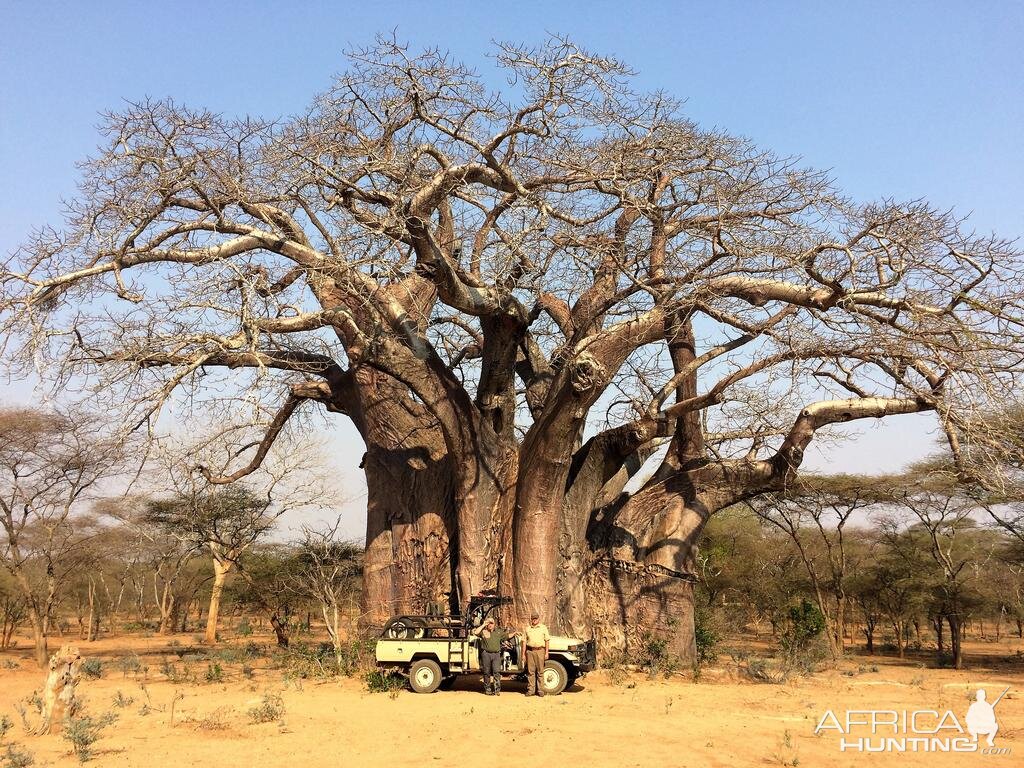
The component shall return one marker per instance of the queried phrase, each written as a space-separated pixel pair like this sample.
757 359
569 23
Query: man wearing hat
491 639
537 639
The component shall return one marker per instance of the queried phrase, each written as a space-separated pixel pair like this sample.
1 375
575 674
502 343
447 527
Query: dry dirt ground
608 719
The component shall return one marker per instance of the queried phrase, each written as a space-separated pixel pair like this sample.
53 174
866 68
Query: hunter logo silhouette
981 716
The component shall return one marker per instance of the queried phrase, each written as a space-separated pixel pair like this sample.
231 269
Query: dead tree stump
59 700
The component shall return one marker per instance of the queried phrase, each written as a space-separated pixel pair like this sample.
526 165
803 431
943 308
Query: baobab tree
513 296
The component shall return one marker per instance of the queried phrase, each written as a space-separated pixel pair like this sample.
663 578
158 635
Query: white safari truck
432 651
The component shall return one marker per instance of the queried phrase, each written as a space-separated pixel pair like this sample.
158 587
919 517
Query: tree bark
956 640
93 619
168 606
220 574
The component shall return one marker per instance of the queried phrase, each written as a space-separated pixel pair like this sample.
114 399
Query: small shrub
271 708
244 629
706 639
5 725
801 642
354 656
138 626
617 675
254 650
16 757
301 661
654 658
761 671
214 673
381 681
84 731
92 669
247 671
121 701
10 664
175 674
129 664
215 721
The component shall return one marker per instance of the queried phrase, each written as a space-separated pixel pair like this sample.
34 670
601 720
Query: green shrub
5 725
801 641
380 681
15 757
129 664
139 626
706 638
121 701
654 658
92 669
214 673
244 629
84 731
254 650
303 661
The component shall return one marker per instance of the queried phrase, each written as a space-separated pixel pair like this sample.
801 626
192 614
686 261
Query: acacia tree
50 464
13 610
814 513
225 522
512 294
959 551
162 551
327 572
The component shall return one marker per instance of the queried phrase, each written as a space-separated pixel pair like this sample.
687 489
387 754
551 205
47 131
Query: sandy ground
606 720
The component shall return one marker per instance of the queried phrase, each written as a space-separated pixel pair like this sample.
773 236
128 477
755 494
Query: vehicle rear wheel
554 678
425 676
404 627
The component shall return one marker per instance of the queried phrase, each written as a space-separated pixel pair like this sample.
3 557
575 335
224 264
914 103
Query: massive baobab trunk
516 299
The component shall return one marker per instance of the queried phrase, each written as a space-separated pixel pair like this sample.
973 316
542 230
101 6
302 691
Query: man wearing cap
537 639
491 639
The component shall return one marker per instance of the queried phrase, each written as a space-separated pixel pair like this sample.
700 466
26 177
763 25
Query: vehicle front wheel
554 678
425 676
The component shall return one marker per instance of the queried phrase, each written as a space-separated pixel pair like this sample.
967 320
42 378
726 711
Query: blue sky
902 100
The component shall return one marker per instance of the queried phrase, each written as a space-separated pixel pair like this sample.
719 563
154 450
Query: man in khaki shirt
536 638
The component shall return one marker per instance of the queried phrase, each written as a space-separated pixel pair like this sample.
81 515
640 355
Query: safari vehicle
433 650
